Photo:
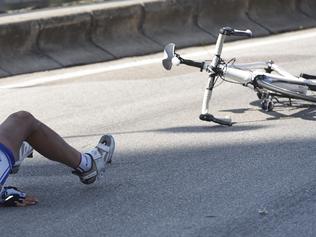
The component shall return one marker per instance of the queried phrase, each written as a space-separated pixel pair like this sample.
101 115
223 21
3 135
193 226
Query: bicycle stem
218 50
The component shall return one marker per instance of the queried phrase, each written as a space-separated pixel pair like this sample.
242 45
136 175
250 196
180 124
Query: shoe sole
108 140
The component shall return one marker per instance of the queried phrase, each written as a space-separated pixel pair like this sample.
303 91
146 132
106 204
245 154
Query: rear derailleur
267 103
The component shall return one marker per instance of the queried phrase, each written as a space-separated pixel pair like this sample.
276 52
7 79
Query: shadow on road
199 129
296 110
179 185
182 129
281 111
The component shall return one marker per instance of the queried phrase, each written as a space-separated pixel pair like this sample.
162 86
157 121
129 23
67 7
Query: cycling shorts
6 163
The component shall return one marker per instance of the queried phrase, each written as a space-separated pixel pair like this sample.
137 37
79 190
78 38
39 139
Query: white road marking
143 62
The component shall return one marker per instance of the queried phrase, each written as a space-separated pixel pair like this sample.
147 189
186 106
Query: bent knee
23 117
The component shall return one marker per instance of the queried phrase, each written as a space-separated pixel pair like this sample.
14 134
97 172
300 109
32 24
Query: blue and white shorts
6 163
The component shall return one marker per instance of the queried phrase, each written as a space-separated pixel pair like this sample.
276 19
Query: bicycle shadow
238 111
298 109
284 110
198 129
212 128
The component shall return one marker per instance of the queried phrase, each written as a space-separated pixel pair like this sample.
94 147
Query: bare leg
22 126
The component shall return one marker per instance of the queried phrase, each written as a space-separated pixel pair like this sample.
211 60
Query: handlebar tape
192 63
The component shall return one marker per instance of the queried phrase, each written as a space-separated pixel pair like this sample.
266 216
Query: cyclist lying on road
21 132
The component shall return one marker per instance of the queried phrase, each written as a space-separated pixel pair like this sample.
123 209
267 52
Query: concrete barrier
67 39
174 21
50 39
3 73
215 14
7 5
308 7
278 15
118 31
19 51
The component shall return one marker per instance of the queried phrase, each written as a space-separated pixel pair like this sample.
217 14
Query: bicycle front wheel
285 89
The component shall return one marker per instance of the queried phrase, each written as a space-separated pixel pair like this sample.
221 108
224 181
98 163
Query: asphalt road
172 174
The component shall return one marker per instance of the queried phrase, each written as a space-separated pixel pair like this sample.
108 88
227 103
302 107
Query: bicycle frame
244 74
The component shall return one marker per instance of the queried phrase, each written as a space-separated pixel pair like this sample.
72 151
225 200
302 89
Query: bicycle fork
208 94
206 116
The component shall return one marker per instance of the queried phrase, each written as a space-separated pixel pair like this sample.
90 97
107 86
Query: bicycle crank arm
210 118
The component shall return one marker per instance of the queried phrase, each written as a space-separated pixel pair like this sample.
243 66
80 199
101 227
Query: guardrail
49 39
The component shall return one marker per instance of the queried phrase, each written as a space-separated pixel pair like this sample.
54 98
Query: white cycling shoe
101 155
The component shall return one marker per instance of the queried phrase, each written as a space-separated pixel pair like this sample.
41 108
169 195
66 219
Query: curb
57 38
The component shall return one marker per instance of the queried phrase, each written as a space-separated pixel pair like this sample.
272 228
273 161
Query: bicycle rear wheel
285 92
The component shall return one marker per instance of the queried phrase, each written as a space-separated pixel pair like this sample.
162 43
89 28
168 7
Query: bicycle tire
283 91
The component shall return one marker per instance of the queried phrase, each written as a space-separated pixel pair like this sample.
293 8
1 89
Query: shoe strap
103 147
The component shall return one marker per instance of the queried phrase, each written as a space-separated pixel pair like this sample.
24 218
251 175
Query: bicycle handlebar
192 63
234 32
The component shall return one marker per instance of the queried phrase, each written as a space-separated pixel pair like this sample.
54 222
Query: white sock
85 163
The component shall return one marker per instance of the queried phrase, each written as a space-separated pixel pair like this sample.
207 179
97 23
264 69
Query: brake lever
176 60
